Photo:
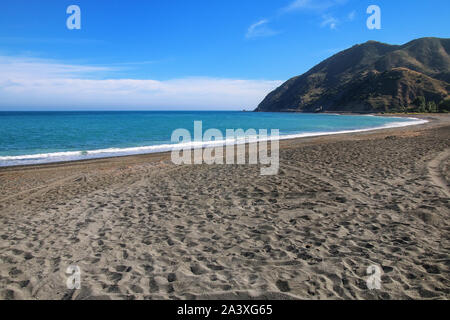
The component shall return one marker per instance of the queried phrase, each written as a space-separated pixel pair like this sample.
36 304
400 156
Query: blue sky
198 54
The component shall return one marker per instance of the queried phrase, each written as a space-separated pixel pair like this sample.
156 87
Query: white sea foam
114 152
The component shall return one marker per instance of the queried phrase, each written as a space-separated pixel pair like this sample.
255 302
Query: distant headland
371 77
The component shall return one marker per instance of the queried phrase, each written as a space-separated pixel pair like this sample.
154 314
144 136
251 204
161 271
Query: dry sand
141 227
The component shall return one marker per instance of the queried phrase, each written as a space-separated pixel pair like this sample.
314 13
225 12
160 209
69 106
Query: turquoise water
39 137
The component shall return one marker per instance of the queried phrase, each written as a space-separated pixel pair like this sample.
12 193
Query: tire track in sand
435 171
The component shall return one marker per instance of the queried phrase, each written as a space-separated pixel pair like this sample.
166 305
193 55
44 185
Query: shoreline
165 148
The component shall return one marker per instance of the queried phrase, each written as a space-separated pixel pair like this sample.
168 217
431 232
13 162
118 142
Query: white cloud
36 83
329 21
19 67
351 16
312 5
260 29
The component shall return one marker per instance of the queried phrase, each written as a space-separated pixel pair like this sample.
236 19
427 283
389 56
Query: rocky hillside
370 77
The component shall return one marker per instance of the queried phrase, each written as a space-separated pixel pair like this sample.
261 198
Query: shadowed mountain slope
370 77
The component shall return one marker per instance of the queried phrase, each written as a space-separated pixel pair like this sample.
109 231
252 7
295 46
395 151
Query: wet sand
140 227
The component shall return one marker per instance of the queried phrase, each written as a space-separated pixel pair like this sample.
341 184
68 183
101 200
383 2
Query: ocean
42 137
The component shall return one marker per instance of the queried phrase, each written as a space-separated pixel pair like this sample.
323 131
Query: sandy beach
141 227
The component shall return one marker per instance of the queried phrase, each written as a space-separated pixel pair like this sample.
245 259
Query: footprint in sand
283 286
